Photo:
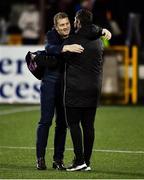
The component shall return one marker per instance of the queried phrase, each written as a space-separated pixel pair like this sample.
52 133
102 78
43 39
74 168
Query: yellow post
127 84
134 74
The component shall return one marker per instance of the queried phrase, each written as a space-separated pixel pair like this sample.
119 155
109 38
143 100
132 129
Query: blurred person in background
51 94
3 31
14 32
29 23
88 4
115 28
134 24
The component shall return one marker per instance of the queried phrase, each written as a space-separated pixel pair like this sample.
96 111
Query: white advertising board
17 84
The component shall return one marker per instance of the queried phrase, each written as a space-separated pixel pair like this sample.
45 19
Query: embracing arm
102 32
93 32
52 46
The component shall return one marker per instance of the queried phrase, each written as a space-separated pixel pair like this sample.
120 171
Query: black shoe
59 165
77 166
41 164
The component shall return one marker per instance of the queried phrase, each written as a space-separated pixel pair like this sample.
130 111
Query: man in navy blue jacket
51 94
51 97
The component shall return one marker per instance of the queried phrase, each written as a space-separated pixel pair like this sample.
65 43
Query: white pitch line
71 149
18 110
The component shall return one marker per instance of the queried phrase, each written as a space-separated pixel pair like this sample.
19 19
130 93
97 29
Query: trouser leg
61 128
88 132
47 98
73 119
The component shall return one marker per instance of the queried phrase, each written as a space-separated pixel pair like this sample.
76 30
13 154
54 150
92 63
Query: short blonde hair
60 15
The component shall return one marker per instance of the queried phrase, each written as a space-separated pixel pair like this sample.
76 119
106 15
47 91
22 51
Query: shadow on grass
25 168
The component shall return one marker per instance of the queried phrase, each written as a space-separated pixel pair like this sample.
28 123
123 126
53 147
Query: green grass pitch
118 149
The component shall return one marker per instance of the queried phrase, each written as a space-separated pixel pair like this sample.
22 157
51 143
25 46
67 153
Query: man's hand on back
106 34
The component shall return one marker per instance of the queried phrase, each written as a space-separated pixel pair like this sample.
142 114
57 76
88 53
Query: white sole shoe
87 168
77 168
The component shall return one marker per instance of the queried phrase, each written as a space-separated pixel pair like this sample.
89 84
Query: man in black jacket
83 82
51 97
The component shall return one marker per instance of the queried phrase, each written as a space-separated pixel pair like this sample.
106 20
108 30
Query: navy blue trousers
51 102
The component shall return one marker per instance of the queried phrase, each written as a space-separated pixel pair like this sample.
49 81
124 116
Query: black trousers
82 143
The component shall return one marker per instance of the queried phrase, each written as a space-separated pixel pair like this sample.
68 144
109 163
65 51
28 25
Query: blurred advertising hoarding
17 84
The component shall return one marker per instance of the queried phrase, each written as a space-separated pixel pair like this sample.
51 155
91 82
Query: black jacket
83 78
